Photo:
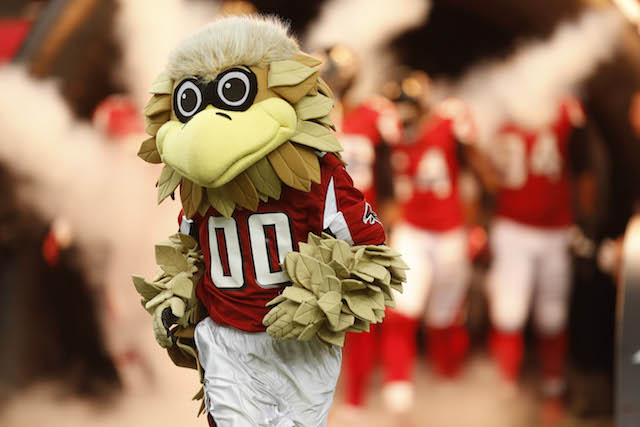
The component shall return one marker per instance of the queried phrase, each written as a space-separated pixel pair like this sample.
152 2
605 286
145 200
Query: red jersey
432 167
535 189
243 254
363 129
13 32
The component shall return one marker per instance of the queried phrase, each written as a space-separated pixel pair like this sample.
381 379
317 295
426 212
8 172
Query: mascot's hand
170 297
334 289
165 315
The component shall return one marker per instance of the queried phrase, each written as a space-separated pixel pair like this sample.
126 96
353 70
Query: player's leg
509 290
236 394
359 360
550 310
447 336
398 359
400 325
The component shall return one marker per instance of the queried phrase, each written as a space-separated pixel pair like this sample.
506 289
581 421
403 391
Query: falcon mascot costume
278 256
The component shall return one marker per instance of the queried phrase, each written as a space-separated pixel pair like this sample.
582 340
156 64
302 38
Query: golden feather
221 203
242 191
293 94
265 179
305 59
311 162
290 167
157 104
316 136
326 121
313 107
149 152
167 183
204 203
155 122
160 118
324 88
191 197
152 128
163 85
288 73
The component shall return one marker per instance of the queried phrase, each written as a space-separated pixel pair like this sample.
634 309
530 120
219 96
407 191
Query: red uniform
531 266
536 183
243 253
432 236
363 130
432 167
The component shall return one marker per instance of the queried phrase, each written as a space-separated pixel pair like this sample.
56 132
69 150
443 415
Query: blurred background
502 136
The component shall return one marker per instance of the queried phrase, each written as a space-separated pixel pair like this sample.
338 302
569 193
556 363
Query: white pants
252 379
438 278
531 266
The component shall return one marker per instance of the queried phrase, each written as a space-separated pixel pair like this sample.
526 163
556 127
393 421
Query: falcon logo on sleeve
370 217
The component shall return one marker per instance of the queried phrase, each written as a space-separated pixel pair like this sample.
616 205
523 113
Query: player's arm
473 159
383 175
469 154
582 153
389 128
582 171
477 169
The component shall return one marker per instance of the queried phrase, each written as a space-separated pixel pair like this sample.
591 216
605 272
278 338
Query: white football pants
531 268
438 278
252 379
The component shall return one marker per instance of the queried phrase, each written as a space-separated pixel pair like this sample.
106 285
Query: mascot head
238 112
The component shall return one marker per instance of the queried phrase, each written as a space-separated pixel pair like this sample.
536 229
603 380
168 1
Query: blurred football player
531 267
366 129
431 233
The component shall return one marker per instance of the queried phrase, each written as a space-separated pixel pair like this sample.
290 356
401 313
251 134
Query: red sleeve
347 215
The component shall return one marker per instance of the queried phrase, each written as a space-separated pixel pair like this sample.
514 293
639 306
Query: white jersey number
268 232
433 173
545 158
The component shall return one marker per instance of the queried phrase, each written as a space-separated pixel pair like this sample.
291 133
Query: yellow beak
217 145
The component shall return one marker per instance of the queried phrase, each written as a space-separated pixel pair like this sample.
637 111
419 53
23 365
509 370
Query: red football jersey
13 33
535 189
363 129
243 253
431 169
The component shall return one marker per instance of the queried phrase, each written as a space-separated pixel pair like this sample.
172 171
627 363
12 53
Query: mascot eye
237 89
187 100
